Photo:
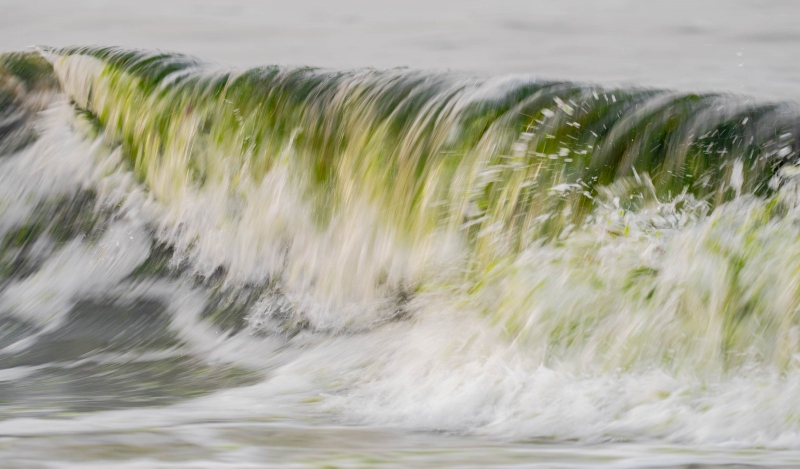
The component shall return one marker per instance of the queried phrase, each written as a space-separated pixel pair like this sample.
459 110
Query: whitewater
204 265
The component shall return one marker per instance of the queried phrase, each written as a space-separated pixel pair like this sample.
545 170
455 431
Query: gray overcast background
746 46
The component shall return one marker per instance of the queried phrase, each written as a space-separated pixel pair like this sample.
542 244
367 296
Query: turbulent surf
503 258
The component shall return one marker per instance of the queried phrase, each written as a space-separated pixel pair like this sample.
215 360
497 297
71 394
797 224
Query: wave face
511 257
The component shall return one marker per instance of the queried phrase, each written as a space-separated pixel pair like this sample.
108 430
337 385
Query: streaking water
207 266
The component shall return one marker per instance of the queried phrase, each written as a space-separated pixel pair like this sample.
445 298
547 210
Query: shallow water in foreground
276 444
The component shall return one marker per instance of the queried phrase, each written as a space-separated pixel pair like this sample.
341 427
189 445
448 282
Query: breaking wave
499 256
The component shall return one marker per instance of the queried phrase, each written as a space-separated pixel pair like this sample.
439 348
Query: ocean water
507 234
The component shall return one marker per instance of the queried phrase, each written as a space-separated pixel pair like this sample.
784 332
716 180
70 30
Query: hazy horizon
741 46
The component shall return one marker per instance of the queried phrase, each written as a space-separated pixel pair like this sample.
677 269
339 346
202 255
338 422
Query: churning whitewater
490 257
